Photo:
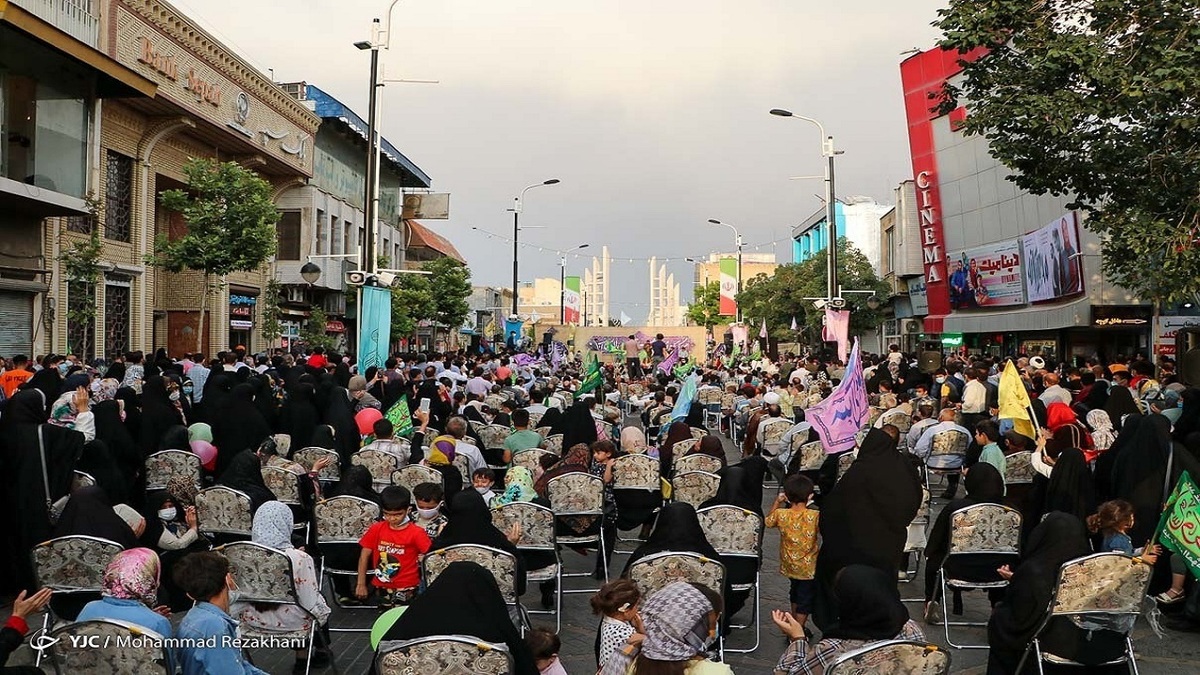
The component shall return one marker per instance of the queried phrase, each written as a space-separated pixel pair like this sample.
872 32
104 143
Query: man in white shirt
477 385
457 427
1053 392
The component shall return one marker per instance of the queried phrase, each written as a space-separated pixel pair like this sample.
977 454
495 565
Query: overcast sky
653 113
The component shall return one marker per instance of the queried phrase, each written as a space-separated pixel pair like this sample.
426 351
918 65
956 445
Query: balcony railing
73 17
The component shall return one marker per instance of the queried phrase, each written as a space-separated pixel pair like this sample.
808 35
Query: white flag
625 319
762 333
793 323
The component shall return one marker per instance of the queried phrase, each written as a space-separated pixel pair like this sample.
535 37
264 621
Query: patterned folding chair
164 465
902 421
535 418
223 512
696 462
683 447
710 398
895 657
844 461
914 544
634 476
494 435
502 565
554 443
307 457
1104 590
463 465
380 464
737 533
1018 469
443 655
530 458
873 414
107 647
82 479
728 406
576 496
415 474
694 487
975 530
812 454
773 430
341 522
284 485
494 401
73 567
265 575
537 534
946 454
476 425
567 397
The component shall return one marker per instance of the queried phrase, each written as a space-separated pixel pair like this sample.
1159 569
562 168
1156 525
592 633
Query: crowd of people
1110 440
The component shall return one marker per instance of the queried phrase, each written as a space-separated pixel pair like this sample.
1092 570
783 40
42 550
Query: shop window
288 230
322 233
81 319
118 197
116 315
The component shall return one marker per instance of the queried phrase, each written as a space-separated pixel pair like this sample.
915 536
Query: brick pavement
1176 654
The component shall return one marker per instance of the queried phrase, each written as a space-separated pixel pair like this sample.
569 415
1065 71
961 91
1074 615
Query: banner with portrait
987 276
1052 262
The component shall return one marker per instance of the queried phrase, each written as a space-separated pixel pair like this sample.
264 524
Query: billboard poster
571 301
426 206
728 286
1168 326
1052 264
917 296
987 276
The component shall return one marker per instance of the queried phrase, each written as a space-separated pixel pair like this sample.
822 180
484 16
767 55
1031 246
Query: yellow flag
1014 401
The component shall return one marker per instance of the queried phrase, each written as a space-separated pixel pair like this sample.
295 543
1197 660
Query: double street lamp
737 238
517 204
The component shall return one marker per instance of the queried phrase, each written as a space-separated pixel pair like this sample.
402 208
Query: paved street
1174 654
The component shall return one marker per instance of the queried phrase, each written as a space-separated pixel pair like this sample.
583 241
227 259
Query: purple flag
668 364
522 360
839 417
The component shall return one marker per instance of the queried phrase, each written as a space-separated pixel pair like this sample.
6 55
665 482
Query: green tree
271 315
412 302
705 309
780 297
230 225
451 284
313 334
1096 99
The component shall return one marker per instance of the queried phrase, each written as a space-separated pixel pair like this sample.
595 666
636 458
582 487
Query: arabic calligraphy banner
1052 267
616 343
987 276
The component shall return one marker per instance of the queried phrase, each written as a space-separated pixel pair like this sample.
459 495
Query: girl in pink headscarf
130 593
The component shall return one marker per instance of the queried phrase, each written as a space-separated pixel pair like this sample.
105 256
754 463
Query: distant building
753 264
857 221
665 306
595 291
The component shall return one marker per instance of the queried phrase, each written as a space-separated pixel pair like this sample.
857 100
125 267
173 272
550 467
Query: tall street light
562 283
517 202
737 236
832 291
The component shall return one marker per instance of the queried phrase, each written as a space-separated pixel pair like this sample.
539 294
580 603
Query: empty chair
162 466
695 487
415 474
341 522
896 657
538 539
380 464
978 530
307 457
107 647
223 512
736 533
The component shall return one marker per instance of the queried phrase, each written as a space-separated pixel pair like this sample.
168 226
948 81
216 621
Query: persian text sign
987 276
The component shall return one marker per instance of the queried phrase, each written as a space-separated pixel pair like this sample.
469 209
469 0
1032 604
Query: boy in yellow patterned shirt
798 543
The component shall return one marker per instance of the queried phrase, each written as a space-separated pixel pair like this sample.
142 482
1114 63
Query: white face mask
482 489
941 380
427 514
167 514
174 396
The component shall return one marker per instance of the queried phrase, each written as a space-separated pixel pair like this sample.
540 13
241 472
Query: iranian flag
728 286
572 300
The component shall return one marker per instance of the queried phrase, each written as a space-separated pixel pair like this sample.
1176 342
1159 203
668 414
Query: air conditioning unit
356 278
911 326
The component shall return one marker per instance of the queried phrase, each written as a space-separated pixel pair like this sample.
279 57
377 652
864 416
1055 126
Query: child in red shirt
393 547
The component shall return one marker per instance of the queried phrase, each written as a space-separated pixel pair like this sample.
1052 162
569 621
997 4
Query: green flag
400 417
1181 521
593 379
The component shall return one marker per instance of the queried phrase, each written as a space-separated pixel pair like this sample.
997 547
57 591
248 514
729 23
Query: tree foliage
1096 99
780 297
230 225
313 333
705 309
412 302
451 284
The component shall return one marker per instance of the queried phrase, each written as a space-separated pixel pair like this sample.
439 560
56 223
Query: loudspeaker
929 361
1187 355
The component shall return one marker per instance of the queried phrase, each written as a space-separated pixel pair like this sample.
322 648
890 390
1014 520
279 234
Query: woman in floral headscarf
518 487
104 389
131 594
681 623
273 527
1103 434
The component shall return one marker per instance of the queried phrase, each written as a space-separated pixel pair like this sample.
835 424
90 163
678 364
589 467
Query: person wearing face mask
207 632
680 621
427 512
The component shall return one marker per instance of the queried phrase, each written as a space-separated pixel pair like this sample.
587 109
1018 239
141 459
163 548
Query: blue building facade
812 236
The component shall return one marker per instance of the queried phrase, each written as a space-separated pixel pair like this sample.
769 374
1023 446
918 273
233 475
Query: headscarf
49 382
272 525
245 474
1103 435
356 481
869 606
518 482
578 425
577 460
1071 489
182 490
200 431
176 437
464 600
1139 474
633 440
27 406
677 529
468 521
324 436
237 424
441 451
104 389
984 484
89 512
1120 403
1097 396
133 575
1058 415
116 372
1103 469
741 485
710 445
63 411
676 623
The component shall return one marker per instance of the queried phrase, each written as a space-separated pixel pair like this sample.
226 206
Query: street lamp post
737 236
562 283
517 202
827 151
